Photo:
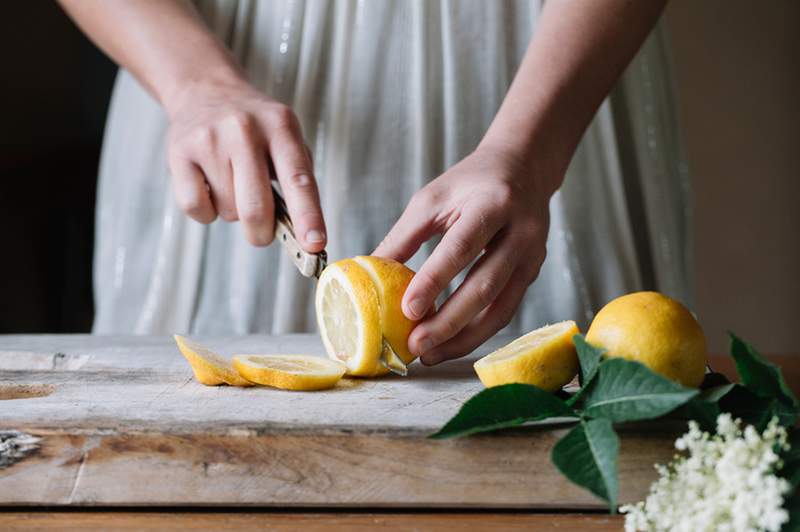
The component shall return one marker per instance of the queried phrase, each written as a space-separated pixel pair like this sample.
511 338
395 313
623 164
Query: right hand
222 140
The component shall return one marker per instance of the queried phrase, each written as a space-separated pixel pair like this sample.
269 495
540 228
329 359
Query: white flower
727 483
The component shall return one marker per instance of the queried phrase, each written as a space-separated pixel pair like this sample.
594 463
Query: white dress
389 94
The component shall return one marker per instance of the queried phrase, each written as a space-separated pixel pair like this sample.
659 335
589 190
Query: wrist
531 163
187 87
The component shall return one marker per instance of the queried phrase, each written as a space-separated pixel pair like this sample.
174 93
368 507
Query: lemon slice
290 372
209 367
545 358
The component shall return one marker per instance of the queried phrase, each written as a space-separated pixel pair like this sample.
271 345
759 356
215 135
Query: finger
485 324
219 176
294 172
414 227
191 191
253 192
458 247
483 284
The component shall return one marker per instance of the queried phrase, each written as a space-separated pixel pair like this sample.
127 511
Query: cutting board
121 421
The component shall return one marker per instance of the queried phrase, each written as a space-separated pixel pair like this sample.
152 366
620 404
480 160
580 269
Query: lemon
391 279
545 358
655 330
290 372
209 368
358 313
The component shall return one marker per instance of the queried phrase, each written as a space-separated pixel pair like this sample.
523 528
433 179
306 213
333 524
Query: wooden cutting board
121 421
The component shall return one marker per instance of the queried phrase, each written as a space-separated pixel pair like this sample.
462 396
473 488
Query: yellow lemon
391 279
290 372
358 313
655 330
209 368
545 358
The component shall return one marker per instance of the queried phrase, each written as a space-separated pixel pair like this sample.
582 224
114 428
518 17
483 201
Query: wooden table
122 423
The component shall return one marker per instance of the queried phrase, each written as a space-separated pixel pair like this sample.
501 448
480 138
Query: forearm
164 43
577 53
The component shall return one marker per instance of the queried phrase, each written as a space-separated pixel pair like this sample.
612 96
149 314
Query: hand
222 141
488 202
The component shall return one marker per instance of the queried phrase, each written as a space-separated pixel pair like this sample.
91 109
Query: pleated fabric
389 95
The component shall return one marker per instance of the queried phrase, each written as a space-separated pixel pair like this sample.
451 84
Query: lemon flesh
655 330
290 372
209 367
348 317
545 358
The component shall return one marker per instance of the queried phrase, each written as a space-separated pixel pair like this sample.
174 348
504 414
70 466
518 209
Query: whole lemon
653 329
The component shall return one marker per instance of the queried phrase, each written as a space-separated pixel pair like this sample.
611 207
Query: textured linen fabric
389 94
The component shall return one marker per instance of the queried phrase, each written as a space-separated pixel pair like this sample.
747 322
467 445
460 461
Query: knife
311 265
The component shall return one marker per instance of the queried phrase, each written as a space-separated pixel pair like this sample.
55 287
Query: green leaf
743 403
704 412
501 407
588 455
713 380
625 390
713 395
760 375
589 358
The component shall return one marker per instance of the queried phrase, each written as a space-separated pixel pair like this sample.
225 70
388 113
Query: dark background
54 95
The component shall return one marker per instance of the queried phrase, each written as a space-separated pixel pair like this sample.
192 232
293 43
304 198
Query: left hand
489 202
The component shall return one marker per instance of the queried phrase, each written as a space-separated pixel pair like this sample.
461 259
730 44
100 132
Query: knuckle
460 250
503 317
503 195
430 284
301 179
260 238
203 138
448 326
242 124
486 291
422 199
282 117
255 214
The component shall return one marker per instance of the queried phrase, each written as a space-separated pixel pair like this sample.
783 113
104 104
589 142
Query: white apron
389 94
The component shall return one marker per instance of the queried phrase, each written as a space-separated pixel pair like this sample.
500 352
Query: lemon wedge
545 358
209 368
290 372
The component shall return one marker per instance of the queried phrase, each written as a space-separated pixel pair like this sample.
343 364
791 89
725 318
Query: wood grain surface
307 522
121 423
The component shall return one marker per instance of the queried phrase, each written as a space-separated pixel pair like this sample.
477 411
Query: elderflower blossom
727 483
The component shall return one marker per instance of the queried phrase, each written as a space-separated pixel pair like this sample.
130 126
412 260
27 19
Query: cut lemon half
290 372
545 358
348 317
209 367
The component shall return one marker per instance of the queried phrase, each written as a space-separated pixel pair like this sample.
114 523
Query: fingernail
426 344
315 236
417 308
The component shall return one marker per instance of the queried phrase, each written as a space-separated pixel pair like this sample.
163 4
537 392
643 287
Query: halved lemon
545 358
290 372
391 278
359 315
209 367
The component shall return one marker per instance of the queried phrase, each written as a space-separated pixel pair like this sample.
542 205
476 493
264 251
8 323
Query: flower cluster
727 483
